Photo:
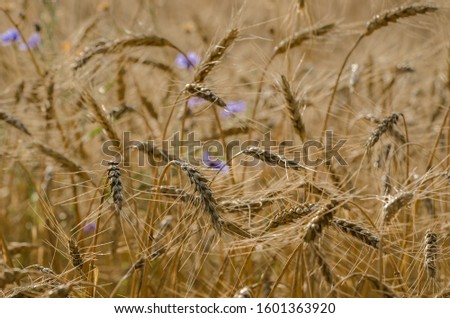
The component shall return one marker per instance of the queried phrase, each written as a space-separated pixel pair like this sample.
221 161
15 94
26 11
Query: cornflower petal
9 36
195 101
89 227
33 41
215 163
234 107
182 62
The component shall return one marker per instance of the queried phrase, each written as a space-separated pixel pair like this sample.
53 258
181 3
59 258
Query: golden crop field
199 148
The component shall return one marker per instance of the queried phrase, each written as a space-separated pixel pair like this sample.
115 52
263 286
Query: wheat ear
200 184
77 260
377 22
431 251
215 55
100 116
299 37
381 20
293 106
361 233
391 208
319 222
207 94
386 125
146 102
175 193
273 158
245 292
13 121
288 216
293 41
118 45
244 205
69 164
115 184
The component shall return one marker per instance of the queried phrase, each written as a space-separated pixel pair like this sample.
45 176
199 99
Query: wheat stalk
121 85
324 267
146 102
234 229
154 152
380 285
158 65
174 192
229 132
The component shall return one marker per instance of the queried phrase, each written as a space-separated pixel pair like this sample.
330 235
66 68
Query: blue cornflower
89 227
33 41
183 63
194 102
234 107
214 163
9 36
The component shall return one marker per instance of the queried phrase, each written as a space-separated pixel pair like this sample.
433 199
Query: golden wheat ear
205 93
395 204
294 106
357 231
206 194
377 22
214 56
13 121
117 46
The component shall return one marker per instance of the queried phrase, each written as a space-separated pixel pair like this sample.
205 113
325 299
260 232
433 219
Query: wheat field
115 180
